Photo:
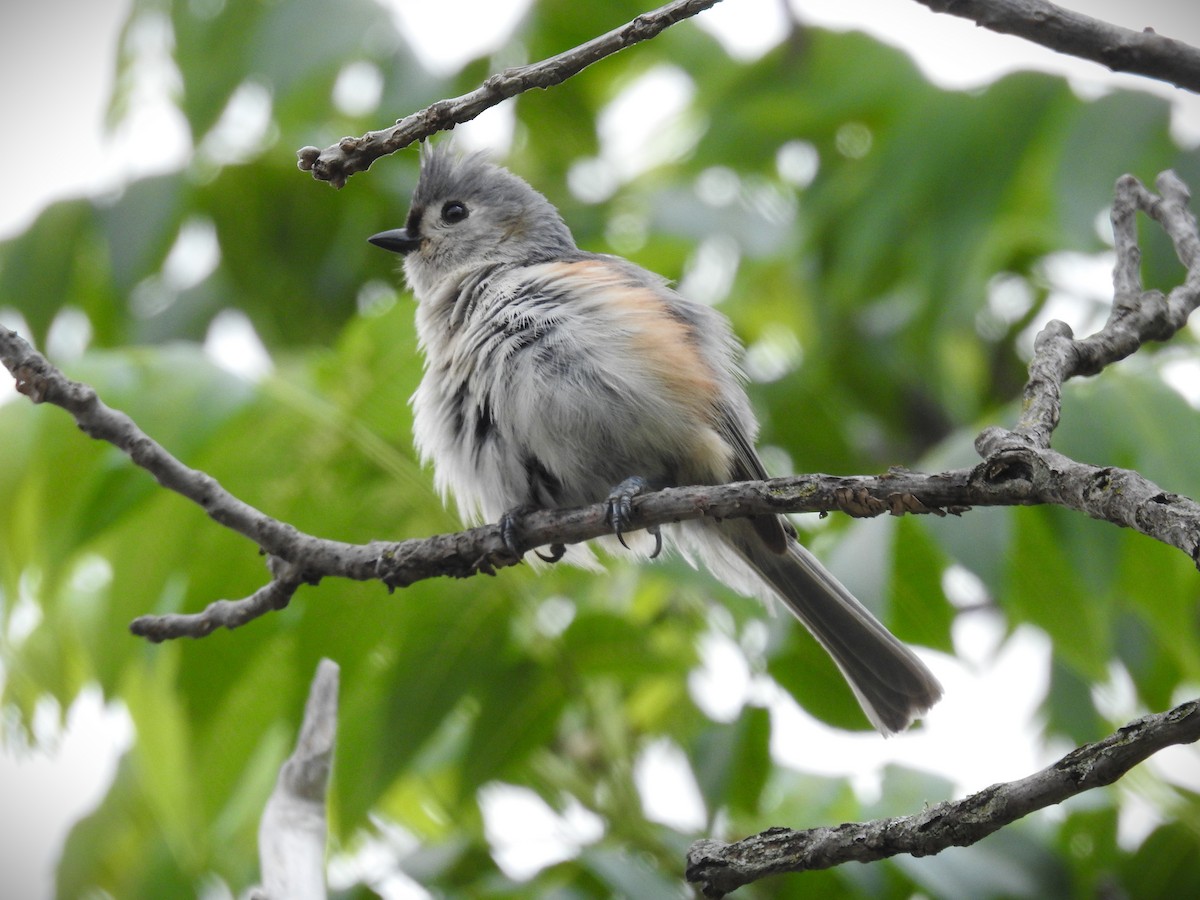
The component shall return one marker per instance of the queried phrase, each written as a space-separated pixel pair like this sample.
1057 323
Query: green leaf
1164 864
902 580
1069 708
1049 590
163 759
732 762
37 278
519 709
804 670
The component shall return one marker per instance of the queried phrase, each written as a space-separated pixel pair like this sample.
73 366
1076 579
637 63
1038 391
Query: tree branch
355 154
1024 454
1019 468
1137 315
1120 49
1140 53
719 868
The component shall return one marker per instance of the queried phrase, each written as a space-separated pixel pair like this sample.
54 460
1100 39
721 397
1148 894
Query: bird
555 377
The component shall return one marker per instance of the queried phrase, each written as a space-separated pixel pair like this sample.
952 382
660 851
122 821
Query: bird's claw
510 534
620 511
658 542
557 551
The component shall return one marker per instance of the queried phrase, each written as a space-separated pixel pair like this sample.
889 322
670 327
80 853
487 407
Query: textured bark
717 868
355 154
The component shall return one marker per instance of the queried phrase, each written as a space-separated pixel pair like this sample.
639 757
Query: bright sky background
56 61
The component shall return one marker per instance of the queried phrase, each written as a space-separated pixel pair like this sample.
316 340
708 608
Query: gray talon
658 541
557 551
620 510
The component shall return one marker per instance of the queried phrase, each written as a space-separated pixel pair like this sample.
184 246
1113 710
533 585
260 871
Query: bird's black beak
397 240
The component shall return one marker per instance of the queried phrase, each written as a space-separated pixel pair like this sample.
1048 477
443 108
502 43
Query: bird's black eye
454 212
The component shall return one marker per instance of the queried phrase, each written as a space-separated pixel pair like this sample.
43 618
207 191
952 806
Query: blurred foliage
892 243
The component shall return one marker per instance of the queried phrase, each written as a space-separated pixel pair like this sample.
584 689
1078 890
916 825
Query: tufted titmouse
556 377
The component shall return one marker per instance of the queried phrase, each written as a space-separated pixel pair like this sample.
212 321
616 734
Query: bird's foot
620 510
510 534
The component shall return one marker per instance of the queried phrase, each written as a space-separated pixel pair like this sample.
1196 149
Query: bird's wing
746 466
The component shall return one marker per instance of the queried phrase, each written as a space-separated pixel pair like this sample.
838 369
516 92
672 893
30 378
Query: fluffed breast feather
562 361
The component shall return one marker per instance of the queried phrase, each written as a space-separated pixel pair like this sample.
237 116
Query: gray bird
555 377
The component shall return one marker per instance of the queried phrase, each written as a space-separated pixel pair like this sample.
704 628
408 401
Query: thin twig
719 868
1137 315
1120 49
355 154
274 595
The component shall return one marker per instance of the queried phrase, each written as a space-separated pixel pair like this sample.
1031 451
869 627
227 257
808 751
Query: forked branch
1019 468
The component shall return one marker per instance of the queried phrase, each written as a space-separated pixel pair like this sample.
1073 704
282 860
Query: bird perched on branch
555 377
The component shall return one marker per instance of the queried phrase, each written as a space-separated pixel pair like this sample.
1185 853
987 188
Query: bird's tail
891 684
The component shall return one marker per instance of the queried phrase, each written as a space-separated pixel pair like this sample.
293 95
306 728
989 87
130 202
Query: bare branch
355 154
1137 316
1018 467
275 594
292 833
1141 53
1120 49
42 382
719 868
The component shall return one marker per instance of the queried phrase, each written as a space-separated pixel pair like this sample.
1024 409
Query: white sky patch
69 334
11 318
1183 376
449 33
244 128
963 587
153 137
775 354
358 88
55 785
1179 765
1009 296
491 131
194 255
553 616
727 22
721 685
710 270
718 186
1080 294
990 702
798 163
26 611
1140 812
376 297
526 835
234 345
670 795
592 180
65 73
376 862
643 126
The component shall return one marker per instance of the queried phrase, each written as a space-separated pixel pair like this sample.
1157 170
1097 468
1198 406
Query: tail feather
892 685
